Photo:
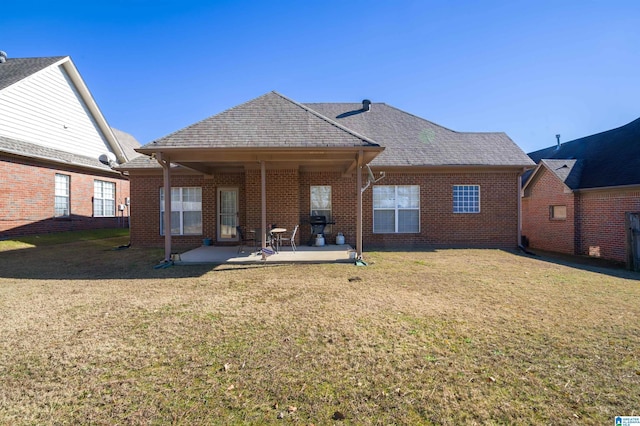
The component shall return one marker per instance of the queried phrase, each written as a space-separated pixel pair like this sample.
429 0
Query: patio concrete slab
303 254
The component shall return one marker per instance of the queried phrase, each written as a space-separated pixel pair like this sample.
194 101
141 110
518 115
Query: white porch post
166 172
263 194
359 214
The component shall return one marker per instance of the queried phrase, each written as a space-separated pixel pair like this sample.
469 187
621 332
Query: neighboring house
581 195
52 136
275 161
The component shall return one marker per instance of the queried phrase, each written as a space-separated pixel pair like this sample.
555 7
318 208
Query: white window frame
466 199
393 203
104 198
62 189
181 206
318 203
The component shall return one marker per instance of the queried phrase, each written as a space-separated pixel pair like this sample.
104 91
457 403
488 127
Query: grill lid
317 220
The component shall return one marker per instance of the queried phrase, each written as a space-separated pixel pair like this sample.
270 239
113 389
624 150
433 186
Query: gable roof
269 121
16 69
128 143
567 171
606 159
413 141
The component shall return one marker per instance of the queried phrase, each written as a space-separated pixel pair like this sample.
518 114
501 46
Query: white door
227 214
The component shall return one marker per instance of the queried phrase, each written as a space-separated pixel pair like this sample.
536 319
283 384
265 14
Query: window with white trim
186 211
61 203
104 198
396 209
466 198
321 203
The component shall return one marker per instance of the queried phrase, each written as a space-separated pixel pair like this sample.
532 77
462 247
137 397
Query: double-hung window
466 198
186 211
61 203
104 198
321 203
396 209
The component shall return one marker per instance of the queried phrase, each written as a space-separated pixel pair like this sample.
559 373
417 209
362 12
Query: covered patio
230 255
238 151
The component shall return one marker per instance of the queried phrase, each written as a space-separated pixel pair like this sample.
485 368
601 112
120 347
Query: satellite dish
372 178
108 159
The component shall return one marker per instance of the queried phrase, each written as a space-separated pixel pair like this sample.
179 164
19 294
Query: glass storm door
227 214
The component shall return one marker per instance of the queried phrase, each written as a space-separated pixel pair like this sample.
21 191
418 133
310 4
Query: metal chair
244 239
292 238
258 239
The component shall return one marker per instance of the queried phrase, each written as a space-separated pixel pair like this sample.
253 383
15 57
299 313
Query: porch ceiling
210 160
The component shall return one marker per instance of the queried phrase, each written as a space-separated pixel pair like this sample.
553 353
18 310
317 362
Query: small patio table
277 233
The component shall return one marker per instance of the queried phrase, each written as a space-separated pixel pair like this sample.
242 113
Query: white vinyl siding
46 109
104 198
61 201
466 198
396 209
186 211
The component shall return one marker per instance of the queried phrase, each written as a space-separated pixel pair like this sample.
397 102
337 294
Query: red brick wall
145 209
288 204
495 226
541 231
28 194
282 191
602 224
595 222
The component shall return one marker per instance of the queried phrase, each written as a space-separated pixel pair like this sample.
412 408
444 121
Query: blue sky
529 68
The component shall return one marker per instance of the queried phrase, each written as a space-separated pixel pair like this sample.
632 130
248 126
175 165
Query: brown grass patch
93 335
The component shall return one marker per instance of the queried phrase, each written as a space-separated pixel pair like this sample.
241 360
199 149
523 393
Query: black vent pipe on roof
366 105
558 139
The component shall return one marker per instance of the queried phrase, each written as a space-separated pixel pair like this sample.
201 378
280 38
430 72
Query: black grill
318 224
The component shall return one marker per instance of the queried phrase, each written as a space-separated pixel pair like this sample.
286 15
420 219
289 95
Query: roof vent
3 57
558 139
366 105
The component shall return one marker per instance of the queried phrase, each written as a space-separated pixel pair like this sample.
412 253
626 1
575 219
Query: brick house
579 197
276 161
52 135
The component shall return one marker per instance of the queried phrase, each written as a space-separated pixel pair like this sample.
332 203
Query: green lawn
93 335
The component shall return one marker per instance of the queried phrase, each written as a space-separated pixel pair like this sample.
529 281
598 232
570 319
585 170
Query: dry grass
96 336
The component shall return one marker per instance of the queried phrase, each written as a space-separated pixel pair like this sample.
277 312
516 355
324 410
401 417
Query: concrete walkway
229 254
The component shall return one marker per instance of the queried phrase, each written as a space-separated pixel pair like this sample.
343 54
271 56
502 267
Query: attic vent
3 57
366 105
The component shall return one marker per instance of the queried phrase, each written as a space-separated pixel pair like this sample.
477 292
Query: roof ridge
580 139
327 119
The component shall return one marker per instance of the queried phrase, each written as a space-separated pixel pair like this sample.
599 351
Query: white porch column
166 173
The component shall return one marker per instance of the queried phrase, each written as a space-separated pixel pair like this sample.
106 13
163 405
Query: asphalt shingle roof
127 142
610 158
16 69
31 150
271 120
413 141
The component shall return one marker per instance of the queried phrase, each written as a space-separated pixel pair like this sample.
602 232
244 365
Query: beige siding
46 109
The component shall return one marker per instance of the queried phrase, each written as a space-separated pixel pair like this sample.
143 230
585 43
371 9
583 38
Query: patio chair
258 239
292 238
244 238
